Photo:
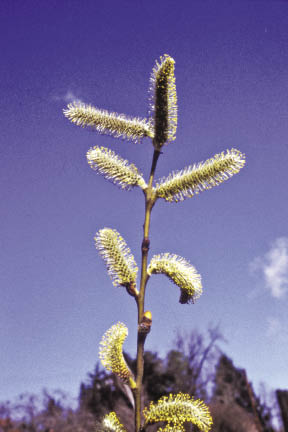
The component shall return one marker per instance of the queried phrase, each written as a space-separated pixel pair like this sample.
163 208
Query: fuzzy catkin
178 409
111 351
115 169
199 177
120 263
163 101
109 123
111 423
180 272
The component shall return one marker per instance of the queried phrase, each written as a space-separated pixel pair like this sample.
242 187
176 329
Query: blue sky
231 76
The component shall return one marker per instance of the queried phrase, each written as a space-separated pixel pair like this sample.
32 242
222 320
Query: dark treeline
195 366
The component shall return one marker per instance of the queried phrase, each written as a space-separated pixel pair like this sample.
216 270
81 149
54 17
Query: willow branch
150 199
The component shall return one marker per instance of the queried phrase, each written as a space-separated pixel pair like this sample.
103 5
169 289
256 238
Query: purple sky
231 75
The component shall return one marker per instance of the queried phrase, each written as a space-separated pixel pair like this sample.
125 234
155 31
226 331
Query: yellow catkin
111 352
109 123
199 177
177 410
120 263
180 272
111 423
115 169
163 101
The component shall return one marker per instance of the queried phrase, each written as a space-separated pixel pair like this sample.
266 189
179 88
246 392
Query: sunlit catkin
106 162
199 177
120 263
111 353
108 123
163 101
111 423
177 410
180 272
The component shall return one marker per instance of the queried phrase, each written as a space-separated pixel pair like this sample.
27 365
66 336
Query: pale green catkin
106 162
111 351
119 261
163 101
199 177
109 123
180 272
179 409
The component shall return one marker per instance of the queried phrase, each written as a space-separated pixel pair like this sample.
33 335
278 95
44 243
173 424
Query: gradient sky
231 75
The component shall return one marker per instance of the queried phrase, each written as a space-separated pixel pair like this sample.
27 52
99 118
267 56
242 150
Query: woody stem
150 199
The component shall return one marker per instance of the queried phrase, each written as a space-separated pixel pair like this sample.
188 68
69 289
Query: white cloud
274 327
274 267
276 330
68 97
